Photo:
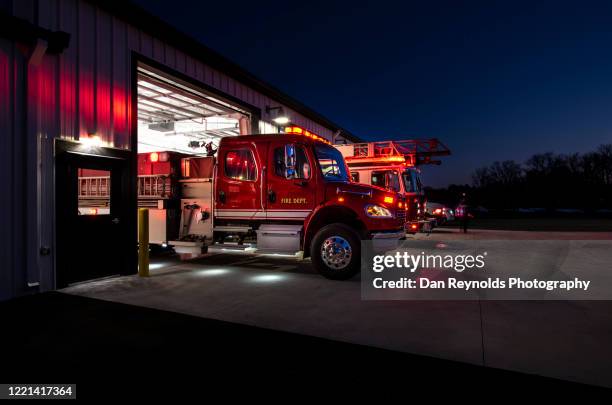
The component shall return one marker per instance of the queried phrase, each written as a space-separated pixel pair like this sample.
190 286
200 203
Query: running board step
232 228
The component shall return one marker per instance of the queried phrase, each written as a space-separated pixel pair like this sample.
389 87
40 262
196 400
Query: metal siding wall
86 58
12 166
7 167
104 77
120 83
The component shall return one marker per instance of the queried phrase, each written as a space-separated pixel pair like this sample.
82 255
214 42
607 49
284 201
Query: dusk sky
493 81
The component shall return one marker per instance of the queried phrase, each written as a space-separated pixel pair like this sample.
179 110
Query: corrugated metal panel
7 167
68 109
104 76
120 84
12 231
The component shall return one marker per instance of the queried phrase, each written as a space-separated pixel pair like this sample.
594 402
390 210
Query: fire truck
279 194
394 165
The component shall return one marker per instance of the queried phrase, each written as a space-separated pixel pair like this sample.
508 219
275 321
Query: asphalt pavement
568 340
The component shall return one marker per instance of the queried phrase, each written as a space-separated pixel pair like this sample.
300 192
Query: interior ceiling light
279 117
162 126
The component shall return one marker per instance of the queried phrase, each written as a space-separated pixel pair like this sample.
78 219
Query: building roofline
156 27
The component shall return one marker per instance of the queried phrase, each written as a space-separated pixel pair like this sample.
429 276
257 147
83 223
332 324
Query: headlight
377 211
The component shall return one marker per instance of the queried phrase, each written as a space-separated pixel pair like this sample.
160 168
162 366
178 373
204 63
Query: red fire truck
286 193
394 165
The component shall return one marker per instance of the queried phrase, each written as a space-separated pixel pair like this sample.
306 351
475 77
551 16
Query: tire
347 259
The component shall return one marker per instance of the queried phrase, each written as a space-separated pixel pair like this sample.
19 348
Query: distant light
268 278
93 211
154 266
164 245
283 120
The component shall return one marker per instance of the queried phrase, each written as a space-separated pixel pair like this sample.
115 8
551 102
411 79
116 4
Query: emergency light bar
301 131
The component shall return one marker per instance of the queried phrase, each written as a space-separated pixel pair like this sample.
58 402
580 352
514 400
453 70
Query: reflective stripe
280 214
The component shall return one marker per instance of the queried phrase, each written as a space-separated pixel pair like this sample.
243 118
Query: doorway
94 213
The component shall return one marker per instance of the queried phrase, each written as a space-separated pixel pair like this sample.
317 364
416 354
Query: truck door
240 184
291 191
96 232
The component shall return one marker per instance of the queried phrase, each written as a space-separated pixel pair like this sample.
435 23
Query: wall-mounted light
280 117
91 140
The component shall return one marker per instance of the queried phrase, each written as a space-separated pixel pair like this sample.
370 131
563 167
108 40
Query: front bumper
383 241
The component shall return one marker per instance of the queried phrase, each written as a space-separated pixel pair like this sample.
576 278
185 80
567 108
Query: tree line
546 181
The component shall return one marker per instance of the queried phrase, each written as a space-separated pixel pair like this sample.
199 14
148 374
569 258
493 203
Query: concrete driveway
568 340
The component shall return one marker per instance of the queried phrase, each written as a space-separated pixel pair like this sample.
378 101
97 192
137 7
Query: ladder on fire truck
96 189
413 152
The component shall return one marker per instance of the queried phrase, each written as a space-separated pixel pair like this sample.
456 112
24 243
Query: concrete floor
568 340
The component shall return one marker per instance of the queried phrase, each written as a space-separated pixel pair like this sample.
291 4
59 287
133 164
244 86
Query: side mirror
290 161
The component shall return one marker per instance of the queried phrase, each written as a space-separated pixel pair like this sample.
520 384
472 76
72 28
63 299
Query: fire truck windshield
331 163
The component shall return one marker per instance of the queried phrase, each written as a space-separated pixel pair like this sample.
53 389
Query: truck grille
401 216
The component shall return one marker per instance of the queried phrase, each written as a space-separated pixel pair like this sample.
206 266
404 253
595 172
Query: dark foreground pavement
110 350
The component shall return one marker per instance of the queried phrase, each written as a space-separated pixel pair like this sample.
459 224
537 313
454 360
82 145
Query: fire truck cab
292 193
394 165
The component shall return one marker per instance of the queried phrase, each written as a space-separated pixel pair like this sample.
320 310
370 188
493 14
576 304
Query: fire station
100 102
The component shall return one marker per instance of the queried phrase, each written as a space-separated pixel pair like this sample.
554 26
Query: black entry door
95 233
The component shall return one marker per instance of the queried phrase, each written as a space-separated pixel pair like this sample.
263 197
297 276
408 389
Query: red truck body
275 198
288 193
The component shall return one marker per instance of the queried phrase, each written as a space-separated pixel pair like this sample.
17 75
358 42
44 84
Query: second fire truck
394 165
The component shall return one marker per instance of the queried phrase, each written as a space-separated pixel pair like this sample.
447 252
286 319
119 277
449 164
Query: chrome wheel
336 252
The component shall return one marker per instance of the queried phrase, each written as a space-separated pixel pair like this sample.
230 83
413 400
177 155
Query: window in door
302 169
93 191
240 165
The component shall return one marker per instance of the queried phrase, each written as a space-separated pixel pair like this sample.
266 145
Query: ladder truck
395 166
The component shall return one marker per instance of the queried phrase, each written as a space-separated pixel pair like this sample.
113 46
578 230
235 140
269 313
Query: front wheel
336 252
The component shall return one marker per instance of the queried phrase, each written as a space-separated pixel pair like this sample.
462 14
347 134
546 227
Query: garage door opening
179 130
